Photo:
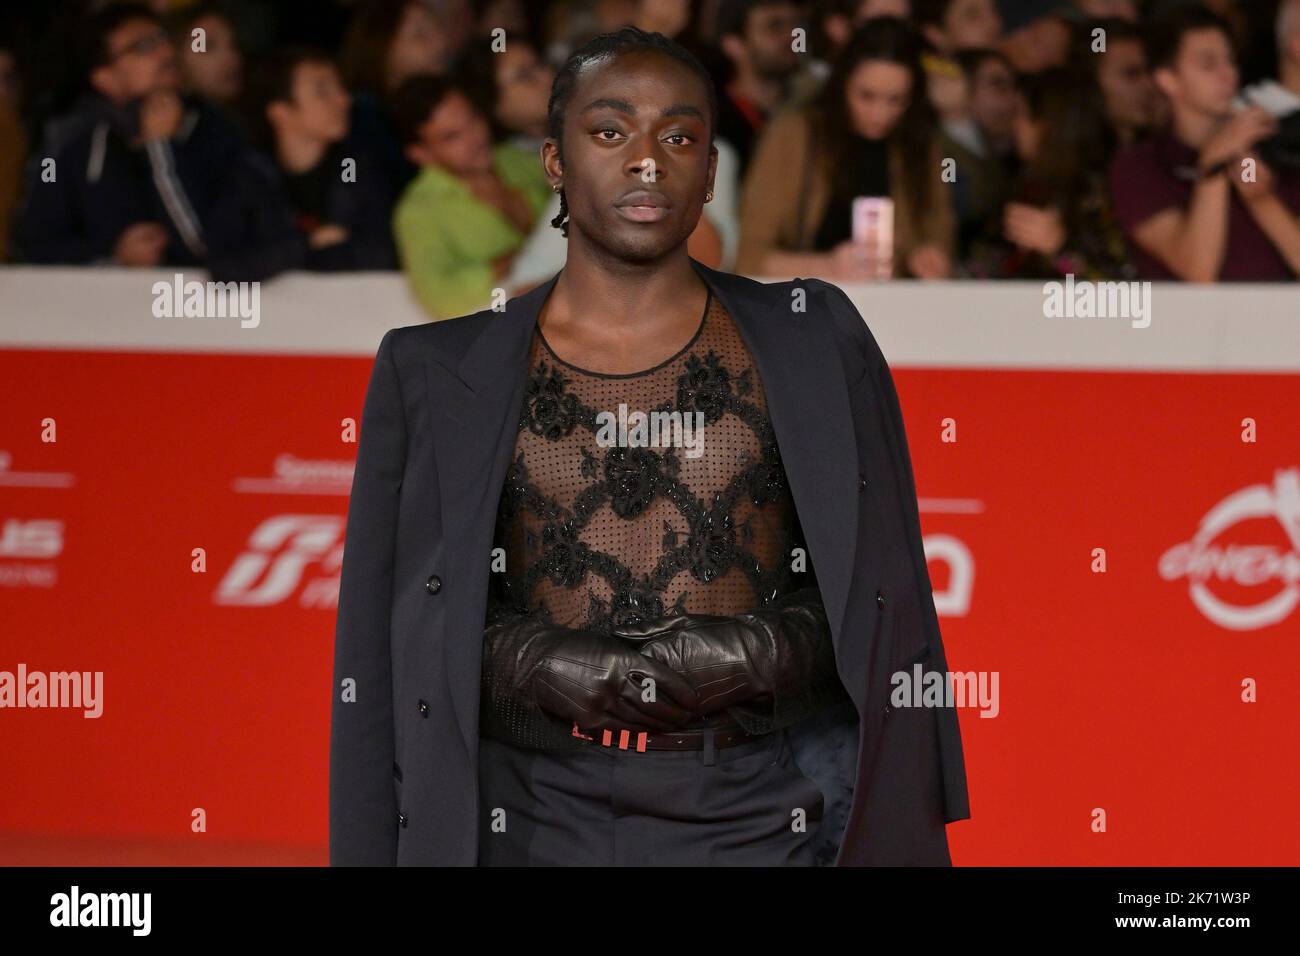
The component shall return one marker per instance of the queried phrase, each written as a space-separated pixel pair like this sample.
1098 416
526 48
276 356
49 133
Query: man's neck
297 153
1193 127
636 301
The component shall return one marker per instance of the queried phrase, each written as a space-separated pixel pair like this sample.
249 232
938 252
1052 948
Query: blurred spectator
464 216
755 36
952 25
214 67
871 132
1281 96
388 42
11 87
1125 10
1036 34
672 18
832 23
1120 72
139 169
309 198
1183 195
13 150
980 137
511 85
1059 220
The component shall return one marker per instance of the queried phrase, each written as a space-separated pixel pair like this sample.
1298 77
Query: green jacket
447 238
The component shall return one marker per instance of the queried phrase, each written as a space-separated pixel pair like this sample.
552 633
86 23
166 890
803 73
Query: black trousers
746 805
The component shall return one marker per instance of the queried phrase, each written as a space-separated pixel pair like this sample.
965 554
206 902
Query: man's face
768 42
877 93
420 45
1203 77
618 142
214 72
141 60
1126 84
524 88
971 24
994 102
319 109
455 137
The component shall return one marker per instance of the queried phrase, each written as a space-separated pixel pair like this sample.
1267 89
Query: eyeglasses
142 45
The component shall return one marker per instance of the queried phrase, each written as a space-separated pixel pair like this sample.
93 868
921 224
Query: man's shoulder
807 298
445 341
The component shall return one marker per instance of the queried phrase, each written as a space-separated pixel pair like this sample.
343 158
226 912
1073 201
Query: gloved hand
768 668
585 677
726 660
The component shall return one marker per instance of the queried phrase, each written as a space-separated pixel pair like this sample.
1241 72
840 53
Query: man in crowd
132 177
1195 200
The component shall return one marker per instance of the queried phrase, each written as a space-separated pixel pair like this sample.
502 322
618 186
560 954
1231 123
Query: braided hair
628 39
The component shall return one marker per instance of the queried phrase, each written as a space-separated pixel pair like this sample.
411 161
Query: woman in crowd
387 43
864 135
1059 219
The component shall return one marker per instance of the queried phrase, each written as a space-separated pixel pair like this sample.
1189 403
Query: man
1195 200
136 170
1122 75
756 37
660 678
1035 33
311 198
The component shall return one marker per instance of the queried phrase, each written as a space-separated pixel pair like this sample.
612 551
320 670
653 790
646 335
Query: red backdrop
1117 690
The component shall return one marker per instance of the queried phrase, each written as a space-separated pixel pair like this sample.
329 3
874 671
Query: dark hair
94 51
1115 31
1077 141
930 12
971 59
1165 34
271 81
476 68
733 15
417 97
365 45
626 40
894 41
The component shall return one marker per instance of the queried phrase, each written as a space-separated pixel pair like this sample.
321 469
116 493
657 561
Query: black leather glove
581 676
768 668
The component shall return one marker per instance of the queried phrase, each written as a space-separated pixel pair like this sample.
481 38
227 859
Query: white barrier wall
947 324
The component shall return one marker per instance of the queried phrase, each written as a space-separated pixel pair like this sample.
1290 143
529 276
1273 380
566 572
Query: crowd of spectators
1014 139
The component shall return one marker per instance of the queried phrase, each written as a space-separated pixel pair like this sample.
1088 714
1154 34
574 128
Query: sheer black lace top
686 510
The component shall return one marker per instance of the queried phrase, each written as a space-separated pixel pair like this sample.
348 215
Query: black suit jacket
437 434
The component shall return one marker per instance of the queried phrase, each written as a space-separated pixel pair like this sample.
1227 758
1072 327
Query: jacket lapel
476 415
807 399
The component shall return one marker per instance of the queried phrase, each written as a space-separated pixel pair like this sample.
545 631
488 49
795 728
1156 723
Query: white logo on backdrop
1253 565
275 563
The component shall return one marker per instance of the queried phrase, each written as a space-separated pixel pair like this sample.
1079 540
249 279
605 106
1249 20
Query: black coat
437 434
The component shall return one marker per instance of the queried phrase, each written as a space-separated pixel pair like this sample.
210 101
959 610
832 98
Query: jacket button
424 709
401 818
880 599
862 483
434 584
